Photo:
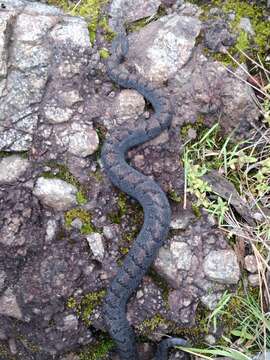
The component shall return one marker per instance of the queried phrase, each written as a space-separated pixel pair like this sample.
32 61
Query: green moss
85 307
71 303
149 325
116 216
84 216
173 195
97 351
80 197
260 24
104 53
104 24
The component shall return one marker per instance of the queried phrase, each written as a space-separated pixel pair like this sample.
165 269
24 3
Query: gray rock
122 11
210 339
180 221
77 224
32 61
70 322
218 35
55 193
177 257
12 168
72 31
222 266
96 245
251 264
211 300
81 140
254 280
188 9
163 47
56 115
9 305
51 230
246 25
3 276
128 103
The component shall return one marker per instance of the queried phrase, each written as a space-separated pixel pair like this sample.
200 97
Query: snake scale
155 205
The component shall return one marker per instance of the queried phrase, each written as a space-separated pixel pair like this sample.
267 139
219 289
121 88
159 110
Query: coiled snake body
155 205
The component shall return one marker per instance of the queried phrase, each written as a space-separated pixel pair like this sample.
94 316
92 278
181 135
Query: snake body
155 205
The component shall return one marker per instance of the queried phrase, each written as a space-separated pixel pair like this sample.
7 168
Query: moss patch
97 351
85 307
260 24
84 216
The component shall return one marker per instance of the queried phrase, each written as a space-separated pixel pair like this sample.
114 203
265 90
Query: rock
26 92
2 279
210 339
128 103
222 266
9 305
51 230
122 11
12 168
188 9
181 220
218 35
254 280
163 47
177 257
81 140
246 25
211 300
70 322
251 264
77 224
96 245
56 115
12 346
55 193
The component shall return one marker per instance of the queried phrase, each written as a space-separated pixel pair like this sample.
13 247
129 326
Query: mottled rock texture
64 229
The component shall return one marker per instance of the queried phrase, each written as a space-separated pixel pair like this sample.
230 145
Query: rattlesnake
156 207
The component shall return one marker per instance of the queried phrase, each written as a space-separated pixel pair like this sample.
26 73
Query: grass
246 166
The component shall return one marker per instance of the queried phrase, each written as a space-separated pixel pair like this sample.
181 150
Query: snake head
120 46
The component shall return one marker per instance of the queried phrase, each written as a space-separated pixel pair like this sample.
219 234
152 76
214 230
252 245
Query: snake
156 208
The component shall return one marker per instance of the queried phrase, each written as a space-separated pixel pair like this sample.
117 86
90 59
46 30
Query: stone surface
122 11
254 280
12 168
251 264
222 266
9 305
96 245
128 103
162 48
55 193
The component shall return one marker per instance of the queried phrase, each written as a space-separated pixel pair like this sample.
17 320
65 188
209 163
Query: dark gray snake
155 205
